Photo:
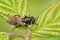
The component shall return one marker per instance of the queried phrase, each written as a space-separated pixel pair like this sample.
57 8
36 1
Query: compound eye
32 20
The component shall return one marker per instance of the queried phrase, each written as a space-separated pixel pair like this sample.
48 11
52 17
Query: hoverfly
21 21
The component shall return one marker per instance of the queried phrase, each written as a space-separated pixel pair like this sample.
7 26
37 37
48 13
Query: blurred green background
36 7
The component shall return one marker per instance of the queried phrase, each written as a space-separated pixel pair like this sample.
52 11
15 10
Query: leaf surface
49 22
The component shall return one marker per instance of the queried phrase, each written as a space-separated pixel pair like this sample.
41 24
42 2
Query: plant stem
15 34
28 34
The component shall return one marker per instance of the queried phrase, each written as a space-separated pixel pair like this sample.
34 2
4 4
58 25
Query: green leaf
3 36
9 8
49 22
15 38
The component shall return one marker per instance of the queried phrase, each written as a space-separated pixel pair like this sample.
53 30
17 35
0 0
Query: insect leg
26 25
17 15
13 29
36 23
